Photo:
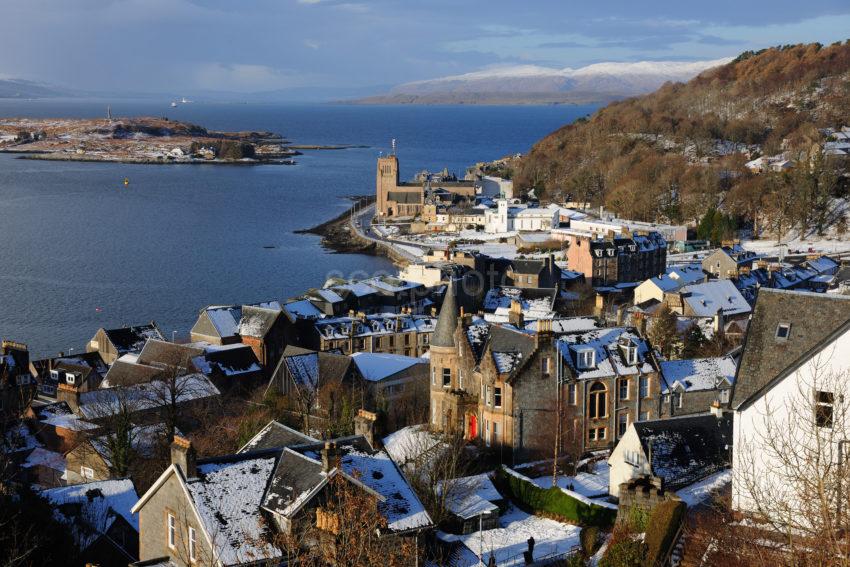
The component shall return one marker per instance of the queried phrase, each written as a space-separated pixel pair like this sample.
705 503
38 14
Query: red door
473 427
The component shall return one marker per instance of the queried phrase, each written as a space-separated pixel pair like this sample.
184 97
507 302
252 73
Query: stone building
114 343
17 384
404 334
624 258
399 199
729 261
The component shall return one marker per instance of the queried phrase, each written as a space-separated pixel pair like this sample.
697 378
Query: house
533 303
217 324
231 508
619 259
230 367
91 458
85 370
671 280
98 518
535 273
276 434
156 359
382 332
257 324
717 299
777 163
678 451
692 386
729 261
17 383
612 226
610 380
113 343
788 396
510 215
301 368
394 385
56 426
433 274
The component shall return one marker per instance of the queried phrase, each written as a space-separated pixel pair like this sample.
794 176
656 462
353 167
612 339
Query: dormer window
783 331
630 352
586 359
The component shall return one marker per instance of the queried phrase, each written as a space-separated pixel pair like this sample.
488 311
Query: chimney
621 314
70 395
600 305
515 316
328 456
365 424
183 456
716 409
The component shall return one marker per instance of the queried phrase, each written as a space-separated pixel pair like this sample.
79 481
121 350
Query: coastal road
361 223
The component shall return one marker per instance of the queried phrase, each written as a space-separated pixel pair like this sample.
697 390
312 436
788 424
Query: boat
173 104
184 100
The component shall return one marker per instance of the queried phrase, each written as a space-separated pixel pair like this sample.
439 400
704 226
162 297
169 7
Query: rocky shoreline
338 236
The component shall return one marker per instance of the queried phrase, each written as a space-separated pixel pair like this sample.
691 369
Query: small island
139 140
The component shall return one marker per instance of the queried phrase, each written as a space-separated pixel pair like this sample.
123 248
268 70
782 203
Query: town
540 383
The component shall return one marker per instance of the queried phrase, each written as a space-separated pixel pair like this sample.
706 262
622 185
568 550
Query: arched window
597 402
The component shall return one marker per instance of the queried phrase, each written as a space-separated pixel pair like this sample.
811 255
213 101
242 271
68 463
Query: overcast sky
258 45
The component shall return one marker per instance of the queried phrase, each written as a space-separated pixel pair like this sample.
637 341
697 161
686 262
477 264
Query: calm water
79 251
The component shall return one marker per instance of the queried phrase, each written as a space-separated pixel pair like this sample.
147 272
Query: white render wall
752 460
622 471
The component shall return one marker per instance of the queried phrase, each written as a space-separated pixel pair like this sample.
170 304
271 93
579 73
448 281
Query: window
624 389
597 434
483 393
677 399
434 375
487 395
447 377
591 435
724 396
87 473
643 416
631 355
823 408
193 552
622 424
571 394
172 531
528 279
600 433
497 397
486 433
545 366
783 331
495 433
597 403
460 379
643 381
433 414
586 359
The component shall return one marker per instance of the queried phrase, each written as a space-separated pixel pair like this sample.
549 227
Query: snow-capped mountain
532 83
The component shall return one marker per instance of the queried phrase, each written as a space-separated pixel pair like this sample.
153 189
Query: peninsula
138 140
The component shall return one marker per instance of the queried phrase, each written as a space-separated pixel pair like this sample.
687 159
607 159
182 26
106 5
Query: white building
509 217
672 280
615 226
495 186
789 399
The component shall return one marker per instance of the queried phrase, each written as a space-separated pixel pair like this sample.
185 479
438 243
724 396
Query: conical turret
444 333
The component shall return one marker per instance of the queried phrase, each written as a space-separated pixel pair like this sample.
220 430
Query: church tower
387 180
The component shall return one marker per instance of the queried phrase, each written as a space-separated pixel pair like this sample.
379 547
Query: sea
80 251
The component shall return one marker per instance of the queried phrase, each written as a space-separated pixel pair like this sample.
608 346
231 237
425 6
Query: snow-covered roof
507 362
706 299
225 319
100 503
823 264
107 401
144 439
376 366
697 374
376 324
568 325
359 289
59 414
411 444
471 496
227 494
303 309
608 358
678 277
534 305
304 368
40 457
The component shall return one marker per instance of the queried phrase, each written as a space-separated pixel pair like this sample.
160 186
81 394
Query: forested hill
680 151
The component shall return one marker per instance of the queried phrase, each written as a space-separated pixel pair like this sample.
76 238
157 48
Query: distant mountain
601 82
19 88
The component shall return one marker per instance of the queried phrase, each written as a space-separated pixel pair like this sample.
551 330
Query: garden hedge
661 528
555 501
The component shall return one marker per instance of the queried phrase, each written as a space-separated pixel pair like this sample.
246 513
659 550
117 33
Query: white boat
184 100
173 104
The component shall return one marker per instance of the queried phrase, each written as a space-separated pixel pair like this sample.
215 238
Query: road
361 223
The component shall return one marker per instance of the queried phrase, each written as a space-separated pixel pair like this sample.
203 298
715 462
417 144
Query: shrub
661 528
625 552
589 540
637 519
554 501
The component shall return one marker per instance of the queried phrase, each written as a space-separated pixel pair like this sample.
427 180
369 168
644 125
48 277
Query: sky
186 46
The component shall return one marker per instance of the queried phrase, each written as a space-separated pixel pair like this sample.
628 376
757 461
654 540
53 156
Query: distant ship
173 104
184 100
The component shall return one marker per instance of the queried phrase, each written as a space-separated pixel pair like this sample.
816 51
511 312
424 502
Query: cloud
311 44
247 77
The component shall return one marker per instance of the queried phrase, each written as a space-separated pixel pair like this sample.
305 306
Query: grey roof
405 196
528 266
157 350
683 450
444 334
257 321
276 435
814 318
132 339
294 477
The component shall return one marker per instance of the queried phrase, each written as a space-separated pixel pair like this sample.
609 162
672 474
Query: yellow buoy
126 181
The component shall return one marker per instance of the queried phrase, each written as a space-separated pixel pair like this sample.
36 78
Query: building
227 510
396 199
98 518
511 215
610 380
17 383
391 378
433 274
678 451
709 299
612 261
276 434
692 386
789 398
616 226
260 326
669 281
533 303
113 343
384 332
729 261
85 370
534 273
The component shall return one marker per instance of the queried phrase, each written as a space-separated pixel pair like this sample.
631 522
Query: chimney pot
183 456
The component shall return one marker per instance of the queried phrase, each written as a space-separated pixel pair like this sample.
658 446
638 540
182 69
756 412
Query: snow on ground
412 250
702 490
823 245
591 485
509 541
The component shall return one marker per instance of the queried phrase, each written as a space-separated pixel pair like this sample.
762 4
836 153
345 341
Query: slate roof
132 339
676 277
225 319
377 366
230 360
536 303
444 333
683 450
257 321
609 357
698 373
814 318
407 197
510 348
166 352
707 298
276 435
